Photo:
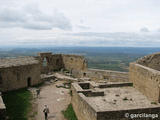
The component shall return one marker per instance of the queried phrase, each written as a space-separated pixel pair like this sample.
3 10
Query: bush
69 113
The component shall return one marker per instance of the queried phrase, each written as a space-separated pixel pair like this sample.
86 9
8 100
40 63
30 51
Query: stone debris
64 77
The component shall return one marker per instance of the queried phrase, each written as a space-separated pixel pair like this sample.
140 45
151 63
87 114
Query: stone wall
2 109
146 80
53 62
19 77
151 61
56 62
82 109
120 114
86 110
108 75
74 62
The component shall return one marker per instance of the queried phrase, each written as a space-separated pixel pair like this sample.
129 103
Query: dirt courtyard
57 99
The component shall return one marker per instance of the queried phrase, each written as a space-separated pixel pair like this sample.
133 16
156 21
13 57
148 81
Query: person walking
46 111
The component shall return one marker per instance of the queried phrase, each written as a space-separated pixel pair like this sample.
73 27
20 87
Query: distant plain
109 58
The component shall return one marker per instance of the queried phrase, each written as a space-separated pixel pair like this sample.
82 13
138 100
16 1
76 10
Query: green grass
18 104
69 113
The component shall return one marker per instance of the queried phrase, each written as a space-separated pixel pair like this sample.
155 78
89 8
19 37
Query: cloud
83 27
116 39
144 29
31 17
158 30
43 24
91 39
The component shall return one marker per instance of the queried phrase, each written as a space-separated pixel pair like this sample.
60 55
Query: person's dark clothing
46 111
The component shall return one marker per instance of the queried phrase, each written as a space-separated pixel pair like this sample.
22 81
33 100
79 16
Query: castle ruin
108 95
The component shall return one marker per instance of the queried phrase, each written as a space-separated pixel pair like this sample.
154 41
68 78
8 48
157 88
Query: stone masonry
119 93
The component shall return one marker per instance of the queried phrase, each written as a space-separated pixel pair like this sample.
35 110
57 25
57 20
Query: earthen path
57 100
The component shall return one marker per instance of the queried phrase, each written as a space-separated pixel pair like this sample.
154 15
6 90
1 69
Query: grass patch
69 113
18 104
154 103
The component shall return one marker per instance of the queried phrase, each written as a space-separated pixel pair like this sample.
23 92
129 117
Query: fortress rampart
145 75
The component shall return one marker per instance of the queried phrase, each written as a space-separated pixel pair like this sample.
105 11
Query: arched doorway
28 81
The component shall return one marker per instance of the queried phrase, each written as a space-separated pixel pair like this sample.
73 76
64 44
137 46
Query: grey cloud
98 39
83 27
144 29
158 30
33 18
118 39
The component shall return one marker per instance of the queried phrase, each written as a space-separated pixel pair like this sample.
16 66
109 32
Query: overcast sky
80 23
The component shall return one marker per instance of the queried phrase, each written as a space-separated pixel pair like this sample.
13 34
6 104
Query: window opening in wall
44 62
